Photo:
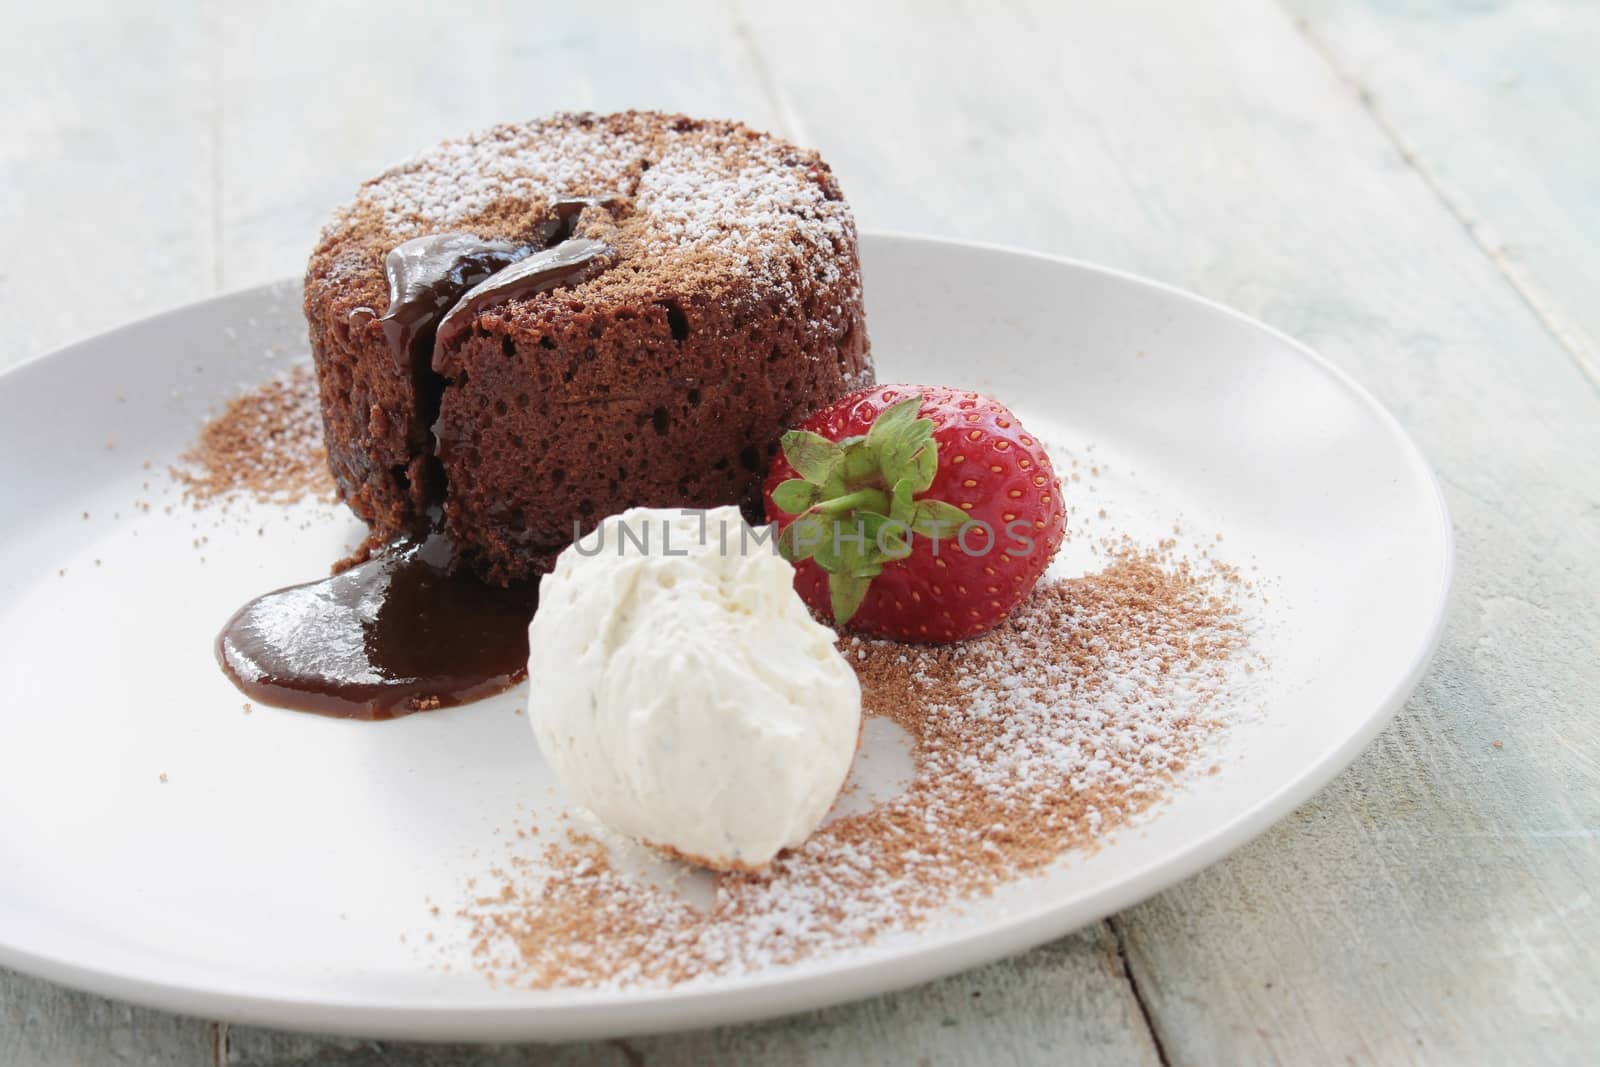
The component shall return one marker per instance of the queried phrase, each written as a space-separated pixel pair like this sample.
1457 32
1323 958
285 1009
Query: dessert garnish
915 513
685 694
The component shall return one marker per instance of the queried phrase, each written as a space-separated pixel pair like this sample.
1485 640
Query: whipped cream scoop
682 691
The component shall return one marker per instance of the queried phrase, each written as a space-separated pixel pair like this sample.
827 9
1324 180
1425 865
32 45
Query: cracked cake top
714 204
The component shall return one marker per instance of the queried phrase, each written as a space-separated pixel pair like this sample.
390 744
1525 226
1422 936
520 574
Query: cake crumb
266 444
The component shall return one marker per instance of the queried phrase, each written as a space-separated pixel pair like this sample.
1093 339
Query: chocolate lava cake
630 310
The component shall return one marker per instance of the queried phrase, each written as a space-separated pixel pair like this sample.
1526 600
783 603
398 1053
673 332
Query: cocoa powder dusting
1038 739
266 445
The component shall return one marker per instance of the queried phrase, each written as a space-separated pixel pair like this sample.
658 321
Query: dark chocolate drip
427 276
405 631
568 263
411 629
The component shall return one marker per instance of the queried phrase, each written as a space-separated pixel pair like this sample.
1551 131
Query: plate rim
568 1014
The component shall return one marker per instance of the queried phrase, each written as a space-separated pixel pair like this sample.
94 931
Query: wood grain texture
1313 167
105 165
43 1025
1516 162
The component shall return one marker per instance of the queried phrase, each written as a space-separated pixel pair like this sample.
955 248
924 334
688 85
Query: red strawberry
917 513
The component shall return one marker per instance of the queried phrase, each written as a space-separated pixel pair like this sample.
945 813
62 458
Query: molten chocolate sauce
405 631
426 277
411 629
568 263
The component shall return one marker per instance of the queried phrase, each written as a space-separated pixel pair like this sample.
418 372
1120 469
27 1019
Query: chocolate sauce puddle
412 629
406 631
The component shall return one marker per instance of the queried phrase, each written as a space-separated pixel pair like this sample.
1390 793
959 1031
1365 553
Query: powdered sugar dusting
753 204
459 180
694 202
1062 726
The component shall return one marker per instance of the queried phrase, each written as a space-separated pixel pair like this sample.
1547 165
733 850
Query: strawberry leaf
900 452
857 560
938 520
925 463
892 421
795 495
845 592
799 540
828 552
895 436
813 456
902 508
885 537
860 462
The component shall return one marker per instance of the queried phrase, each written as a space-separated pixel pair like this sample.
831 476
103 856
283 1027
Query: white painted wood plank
1499 105
1437 902
42 1025
105 168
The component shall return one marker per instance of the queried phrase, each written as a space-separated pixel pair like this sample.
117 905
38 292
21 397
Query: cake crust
729 307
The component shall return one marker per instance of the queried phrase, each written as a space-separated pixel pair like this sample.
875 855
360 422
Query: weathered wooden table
1412 188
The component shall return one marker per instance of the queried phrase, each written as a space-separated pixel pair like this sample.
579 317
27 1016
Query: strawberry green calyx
856 502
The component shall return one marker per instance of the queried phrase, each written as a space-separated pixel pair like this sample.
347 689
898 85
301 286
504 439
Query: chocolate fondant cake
548 323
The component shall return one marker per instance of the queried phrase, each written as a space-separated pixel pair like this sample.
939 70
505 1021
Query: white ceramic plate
270 877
